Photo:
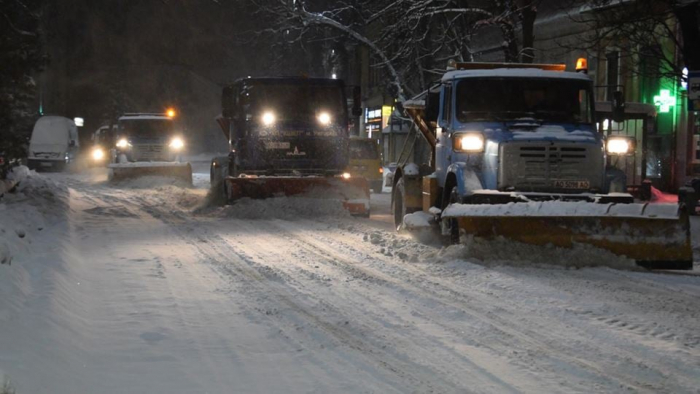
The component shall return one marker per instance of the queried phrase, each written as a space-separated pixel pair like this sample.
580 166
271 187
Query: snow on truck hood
554 132
546 132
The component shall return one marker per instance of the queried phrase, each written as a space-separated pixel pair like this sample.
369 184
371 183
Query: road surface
143 288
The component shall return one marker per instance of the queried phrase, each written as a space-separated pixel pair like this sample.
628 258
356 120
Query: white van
54 143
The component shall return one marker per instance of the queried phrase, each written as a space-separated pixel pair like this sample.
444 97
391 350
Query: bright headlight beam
268 118
471 143
618 146
122 143
324 118
177 143
98 154
346 175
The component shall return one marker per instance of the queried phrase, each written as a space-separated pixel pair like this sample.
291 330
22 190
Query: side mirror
618 107
228 103
356 101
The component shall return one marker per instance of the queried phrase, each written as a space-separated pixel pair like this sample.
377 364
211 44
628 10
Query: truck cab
285 126
519 133
148 137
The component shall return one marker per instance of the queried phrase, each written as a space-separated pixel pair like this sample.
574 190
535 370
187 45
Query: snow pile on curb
36 203
287 208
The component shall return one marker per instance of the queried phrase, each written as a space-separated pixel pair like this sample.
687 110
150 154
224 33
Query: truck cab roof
513 73
144 116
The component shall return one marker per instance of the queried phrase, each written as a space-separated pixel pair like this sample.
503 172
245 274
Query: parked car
53 145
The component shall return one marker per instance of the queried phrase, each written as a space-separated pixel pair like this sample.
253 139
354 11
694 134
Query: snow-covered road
144 289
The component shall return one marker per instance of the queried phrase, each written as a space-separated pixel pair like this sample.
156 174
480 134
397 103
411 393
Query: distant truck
149 144
516 155
103 150
287 136
366 161
53 145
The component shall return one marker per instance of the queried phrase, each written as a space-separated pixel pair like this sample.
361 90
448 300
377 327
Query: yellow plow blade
656 236
120 172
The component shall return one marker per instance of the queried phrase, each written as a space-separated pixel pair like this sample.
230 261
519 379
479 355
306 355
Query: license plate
45 164
276 145
572 184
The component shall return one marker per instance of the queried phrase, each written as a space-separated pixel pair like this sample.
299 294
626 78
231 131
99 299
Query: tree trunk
529 14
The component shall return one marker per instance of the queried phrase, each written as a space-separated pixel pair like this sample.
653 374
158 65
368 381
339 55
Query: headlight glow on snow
268 118
324 118
618 146
177 143
122 143
98 154
469 143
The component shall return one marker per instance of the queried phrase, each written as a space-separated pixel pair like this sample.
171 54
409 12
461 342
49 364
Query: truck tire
398 203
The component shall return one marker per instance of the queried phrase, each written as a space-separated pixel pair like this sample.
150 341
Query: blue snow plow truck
515 155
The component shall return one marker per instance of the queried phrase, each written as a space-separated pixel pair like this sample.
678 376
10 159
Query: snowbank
287 208
502 251
36 203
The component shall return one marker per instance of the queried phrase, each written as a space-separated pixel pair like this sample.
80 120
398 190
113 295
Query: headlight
324 118
469 142
619 146
98 154
122 143
268 118
345 175
177 143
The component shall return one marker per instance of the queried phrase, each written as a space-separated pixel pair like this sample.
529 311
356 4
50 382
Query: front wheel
450 226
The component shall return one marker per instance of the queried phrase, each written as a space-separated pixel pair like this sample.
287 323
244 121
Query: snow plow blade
120 172
353 192
656 236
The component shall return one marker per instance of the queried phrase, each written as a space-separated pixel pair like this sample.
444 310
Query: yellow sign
386 115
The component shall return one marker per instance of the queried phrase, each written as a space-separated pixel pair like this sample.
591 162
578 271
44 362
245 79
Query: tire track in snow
453 292
499 322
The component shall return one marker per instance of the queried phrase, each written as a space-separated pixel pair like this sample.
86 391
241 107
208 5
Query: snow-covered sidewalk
143 290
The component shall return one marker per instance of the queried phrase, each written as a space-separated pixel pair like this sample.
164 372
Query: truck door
443 146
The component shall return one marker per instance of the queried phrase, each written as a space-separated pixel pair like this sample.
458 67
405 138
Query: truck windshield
363 150
541 99
146 127
297 103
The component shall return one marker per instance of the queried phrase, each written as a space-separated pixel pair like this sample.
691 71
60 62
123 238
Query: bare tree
662 32
411 40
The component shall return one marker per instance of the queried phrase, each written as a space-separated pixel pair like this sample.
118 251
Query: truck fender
466 178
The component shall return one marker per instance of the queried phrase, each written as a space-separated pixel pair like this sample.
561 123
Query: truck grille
148 152
527 166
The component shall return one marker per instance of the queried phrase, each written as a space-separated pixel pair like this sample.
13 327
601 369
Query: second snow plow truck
149 144
516 155
287 136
